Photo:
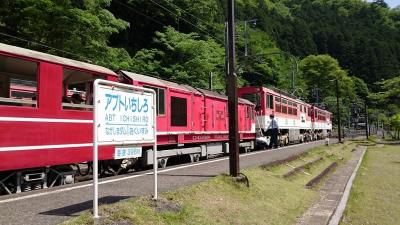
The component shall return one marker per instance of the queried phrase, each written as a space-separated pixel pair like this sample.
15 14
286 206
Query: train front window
18 82
77 92
254 98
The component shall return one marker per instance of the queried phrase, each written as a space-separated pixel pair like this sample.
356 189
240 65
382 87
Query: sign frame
98 83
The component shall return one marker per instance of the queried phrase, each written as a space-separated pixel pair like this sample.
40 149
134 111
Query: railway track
178 162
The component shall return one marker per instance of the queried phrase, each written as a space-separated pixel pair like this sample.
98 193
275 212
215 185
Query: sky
391 3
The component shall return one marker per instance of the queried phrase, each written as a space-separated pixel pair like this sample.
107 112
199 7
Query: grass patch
270 199
375 195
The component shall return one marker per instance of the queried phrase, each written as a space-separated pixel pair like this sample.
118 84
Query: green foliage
321 72
80 27
314 41
395 125
389 96
183 58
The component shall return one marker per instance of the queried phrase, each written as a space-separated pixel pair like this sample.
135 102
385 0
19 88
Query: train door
203 115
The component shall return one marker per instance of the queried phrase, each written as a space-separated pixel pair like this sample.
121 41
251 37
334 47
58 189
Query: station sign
124 115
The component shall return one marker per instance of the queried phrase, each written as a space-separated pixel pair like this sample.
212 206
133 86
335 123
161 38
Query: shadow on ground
73 210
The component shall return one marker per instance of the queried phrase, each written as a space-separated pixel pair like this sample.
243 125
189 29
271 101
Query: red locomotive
298 121
46 132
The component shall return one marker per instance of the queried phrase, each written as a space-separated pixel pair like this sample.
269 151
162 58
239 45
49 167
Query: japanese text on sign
124 116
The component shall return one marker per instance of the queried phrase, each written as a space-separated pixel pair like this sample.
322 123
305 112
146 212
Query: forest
299 46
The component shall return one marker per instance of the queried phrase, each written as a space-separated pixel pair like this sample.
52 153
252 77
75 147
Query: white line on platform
141 175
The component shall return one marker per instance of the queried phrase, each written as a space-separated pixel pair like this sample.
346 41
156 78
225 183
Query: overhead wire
188 13
205 22
187 21
43 45
138 12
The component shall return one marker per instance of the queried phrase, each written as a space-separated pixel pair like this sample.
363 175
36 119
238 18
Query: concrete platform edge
337 216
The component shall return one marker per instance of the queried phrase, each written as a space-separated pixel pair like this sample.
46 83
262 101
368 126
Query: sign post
125 116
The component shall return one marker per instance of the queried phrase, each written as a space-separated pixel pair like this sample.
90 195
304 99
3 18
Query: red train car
298 121
46 132
191 120
40 130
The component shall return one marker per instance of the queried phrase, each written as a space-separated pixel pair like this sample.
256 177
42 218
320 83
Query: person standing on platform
273 126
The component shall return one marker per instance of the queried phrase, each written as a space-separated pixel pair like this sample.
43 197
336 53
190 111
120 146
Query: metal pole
232 95
245 38
226 48
292 78
366 119
210 81
338 110
95 156
155 158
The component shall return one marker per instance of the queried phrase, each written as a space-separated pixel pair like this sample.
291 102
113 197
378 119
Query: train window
248 111
284 101
254 98
78 89
277 107
290 111
277 99
270 104
290 103
284 109
178 111
160 98
18 82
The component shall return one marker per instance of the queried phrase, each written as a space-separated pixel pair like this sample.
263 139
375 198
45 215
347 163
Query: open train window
77 92
18 82
160 99
270 101
178 111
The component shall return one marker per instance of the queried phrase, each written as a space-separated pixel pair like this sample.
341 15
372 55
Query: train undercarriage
291 136
12 182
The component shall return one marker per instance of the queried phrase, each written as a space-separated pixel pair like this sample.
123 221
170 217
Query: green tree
388 97
320 73
183 58
80 27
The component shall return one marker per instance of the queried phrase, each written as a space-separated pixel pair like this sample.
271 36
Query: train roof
280 93
165 83
54 59
159 82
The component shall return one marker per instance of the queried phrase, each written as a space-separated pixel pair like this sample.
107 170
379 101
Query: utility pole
292 78
226 49
232 95
246 36
338 110
210 81
366 119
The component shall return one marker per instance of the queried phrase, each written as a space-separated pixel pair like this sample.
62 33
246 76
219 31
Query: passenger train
46 119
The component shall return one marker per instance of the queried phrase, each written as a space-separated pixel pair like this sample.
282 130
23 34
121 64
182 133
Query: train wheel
162 163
